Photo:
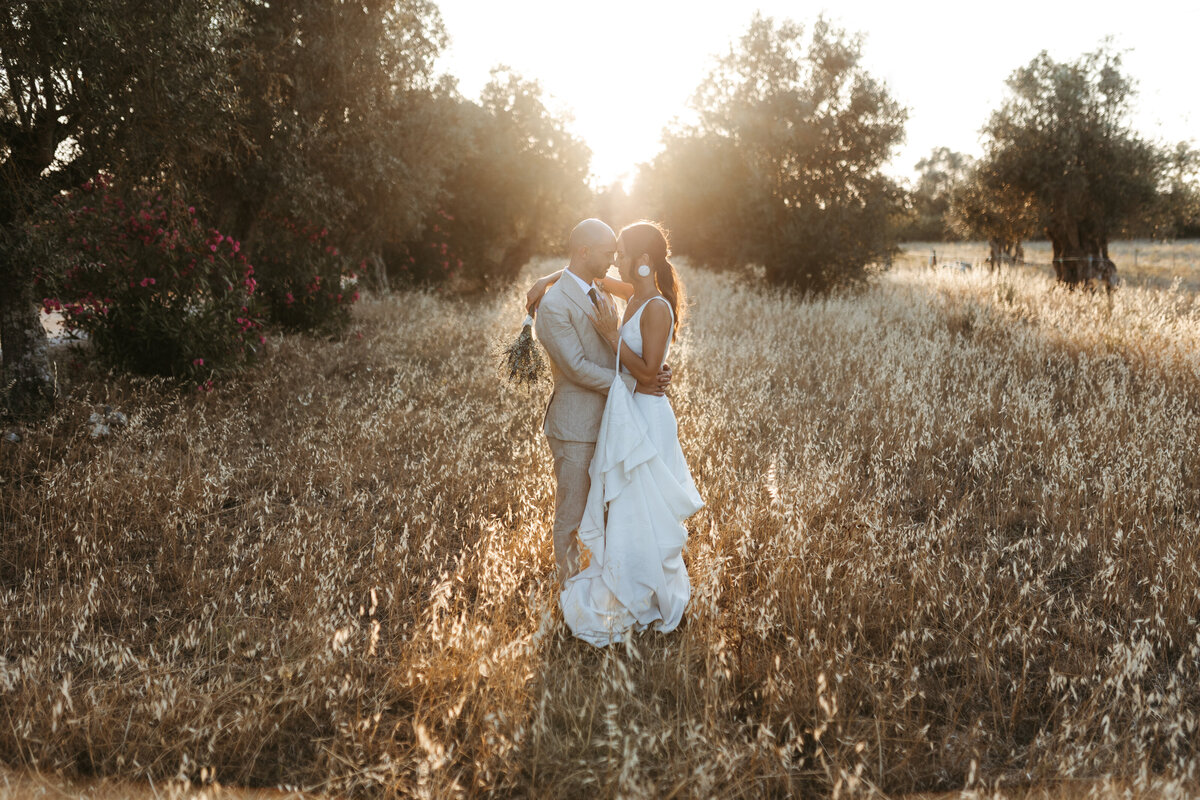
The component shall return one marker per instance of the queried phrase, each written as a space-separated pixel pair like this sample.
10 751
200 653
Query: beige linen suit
583 366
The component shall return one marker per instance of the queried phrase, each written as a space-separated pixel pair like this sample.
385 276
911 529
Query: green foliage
519 187
703 188
129 91
784 167
983 206
345 128
428 260
1180 215
940 175
1061 158
154 290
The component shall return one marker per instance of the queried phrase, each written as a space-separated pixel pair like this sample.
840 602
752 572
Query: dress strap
668 302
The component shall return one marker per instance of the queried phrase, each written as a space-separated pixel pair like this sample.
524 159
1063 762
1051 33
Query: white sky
624 69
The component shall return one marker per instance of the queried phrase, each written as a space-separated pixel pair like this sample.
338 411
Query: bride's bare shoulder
656 314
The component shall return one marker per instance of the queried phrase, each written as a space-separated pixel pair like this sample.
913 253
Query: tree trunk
377 277
1082 260
516 256
1004 251
26 381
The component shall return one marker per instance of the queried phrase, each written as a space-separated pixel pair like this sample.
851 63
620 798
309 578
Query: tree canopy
784 167
1061 158
939 176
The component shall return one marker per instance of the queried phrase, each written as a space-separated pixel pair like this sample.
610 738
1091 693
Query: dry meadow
952 539
1140 262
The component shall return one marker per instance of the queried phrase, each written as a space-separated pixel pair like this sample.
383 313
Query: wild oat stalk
523 358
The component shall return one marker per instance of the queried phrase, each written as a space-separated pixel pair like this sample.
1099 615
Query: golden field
952 541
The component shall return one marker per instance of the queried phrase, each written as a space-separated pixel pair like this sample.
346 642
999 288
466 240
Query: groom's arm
558 336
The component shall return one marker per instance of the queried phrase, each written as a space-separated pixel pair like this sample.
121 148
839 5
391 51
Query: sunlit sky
625 69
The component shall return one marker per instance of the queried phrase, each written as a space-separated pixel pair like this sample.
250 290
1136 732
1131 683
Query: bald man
583 367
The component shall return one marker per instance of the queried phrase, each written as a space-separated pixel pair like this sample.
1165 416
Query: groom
583 366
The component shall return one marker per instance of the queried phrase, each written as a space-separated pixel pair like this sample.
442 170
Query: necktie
592 293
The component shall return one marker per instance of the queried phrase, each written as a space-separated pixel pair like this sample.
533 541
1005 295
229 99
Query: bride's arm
534 295
656 328
620 288
611 285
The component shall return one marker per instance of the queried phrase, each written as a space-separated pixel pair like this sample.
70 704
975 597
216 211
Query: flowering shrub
153 289
306 281
430 260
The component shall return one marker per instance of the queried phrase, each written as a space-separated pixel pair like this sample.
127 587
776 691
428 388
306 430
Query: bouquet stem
523 358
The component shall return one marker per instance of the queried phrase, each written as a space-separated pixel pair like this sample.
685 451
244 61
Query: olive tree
1061 151
939 176
983 206
519 184
783 168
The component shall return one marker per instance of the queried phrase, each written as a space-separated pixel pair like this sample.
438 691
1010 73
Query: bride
641 489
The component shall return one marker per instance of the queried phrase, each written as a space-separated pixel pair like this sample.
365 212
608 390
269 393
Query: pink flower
147 282
197 362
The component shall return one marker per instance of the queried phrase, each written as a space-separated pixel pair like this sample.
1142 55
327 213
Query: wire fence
1152 262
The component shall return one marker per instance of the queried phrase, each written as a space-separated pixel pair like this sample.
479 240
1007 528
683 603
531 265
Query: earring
644 270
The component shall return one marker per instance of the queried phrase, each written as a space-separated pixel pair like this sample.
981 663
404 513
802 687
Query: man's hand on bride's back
664 380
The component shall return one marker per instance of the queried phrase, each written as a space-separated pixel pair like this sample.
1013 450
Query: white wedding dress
641 491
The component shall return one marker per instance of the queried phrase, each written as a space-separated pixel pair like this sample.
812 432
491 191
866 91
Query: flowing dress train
641 492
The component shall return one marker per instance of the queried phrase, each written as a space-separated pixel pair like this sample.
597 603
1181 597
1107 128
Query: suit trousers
571 462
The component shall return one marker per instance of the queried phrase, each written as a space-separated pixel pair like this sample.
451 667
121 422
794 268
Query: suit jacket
581 361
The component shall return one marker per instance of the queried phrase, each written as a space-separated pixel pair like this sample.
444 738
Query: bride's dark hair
650 238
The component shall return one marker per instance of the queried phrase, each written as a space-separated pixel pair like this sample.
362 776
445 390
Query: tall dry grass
952 539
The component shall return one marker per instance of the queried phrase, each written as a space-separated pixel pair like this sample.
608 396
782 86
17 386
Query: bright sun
627 68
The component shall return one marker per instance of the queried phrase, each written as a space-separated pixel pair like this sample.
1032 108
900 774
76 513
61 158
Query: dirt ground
28 785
